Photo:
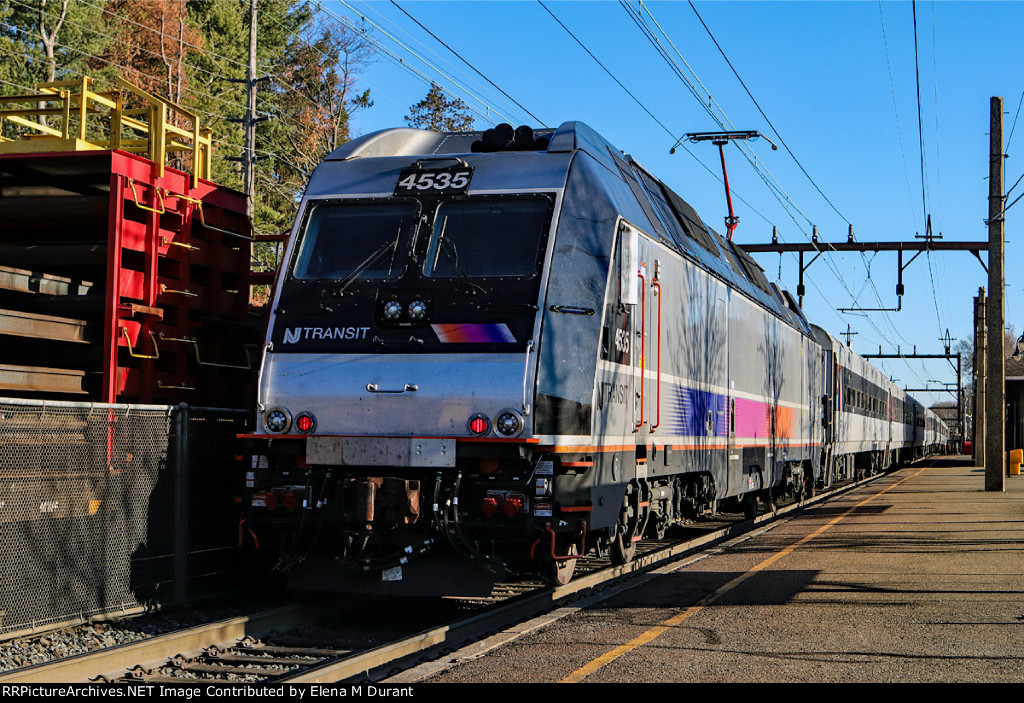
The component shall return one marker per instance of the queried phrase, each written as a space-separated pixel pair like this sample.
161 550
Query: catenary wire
881 332
461 58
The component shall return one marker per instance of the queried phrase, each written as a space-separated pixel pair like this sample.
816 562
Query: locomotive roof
724 259
404 141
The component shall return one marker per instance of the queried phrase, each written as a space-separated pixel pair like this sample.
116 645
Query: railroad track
320 643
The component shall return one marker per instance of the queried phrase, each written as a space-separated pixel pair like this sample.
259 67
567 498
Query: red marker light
305 422
478 425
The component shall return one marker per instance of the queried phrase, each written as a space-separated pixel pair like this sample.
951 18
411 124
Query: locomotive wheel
749 503
561 572
809 486
622 548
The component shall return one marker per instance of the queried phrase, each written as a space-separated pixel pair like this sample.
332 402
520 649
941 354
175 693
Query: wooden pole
995 404
979 378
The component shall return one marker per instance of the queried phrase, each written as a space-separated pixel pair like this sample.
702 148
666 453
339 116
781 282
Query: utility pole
248 158
249 172
947 340
979 378
960 400
995 410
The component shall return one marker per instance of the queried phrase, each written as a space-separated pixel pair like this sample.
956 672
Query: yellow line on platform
654 632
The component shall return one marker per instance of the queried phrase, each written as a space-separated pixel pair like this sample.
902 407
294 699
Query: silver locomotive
498 351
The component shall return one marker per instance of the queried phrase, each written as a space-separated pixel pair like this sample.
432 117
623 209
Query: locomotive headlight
508 423
392 310
277 420
417 310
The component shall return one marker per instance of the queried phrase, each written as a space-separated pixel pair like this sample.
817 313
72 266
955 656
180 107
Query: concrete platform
915 577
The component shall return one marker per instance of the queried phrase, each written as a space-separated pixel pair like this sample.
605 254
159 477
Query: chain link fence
112 508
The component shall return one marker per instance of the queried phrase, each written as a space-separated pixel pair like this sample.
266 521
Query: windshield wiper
346 281
446 245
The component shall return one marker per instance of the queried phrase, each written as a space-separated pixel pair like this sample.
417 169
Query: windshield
491 236
358 239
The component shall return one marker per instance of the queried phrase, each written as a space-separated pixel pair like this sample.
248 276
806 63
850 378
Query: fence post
181 464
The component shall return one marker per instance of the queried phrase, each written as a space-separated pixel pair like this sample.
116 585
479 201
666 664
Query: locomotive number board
441 181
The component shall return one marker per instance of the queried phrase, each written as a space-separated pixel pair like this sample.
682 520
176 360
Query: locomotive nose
412 395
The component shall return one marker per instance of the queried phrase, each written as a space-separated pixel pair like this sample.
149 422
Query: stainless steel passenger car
870 423
498 351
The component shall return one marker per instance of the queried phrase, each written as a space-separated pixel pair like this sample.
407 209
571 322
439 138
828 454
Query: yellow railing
126 118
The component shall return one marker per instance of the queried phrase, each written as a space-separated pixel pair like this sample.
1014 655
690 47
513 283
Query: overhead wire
221 142
937 197
752 158
470 94
606 70
637 18
920 129
639 102
758 106
896 110
1014 125
667 130
920 121
780 194
391 54
903 154
763 172
110 62
373 7
1016 183
485 91
868 280
760 168
280 81
540 122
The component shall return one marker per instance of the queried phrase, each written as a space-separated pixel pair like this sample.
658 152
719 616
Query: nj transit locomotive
497 351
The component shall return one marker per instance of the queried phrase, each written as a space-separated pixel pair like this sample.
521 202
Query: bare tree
49 38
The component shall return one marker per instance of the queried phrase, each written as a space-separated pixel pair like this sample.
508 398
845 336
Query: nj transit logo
293 336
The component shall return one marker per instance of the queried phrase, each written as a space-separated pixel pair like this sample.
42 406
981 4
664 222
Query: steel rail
432 642
111 662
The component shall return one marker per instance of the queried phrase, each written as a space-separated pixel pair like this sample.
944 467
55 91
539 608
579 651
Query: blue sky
836 79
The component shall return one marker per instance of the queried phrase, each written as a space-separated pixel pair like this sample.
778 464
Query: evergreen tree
439 113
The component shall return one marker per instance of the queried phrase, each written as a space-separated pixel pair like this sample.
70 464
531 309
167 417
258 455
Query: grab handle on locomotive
572 310
643 342
657 294
410 387
526 377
